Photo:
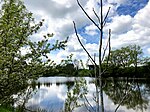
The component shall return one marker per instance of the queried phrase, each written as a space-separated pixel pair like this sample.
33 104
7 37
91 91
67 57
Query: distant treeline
124 62
138 72
112 71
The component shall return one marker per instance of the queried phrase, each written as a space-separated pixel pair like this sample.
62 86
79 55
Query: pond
50 94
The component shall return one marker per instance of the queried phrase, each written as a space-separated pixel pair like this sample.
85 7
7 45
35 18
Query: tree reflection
133 93
69 85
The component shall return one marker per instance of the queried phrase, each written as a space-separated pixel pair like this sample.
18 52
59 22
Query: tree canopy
125 56
16 27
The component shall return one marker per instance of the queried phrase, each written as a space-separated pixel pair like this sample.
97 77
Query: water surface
50 94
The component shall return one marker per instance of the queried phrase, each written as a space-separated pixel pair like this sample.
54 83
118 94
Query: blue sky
128 20
131 7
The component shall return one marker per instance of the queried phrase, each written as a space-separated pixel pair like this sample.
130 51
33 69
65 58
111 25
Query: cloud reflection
51 97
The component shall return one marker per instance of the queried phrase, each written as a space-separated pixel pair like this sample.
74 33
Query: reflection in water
135 95
52 92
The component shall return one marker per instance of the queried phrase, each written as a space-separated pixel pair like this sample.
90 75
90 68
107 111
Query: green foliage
84 72
127 61
16 69
70 67
66 67
126 56
5 109
69 60
78 92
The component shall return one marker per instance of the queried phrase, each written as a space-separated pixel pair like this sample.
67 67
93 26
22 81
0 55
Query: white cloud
59 15
116 1
148 51
91 30
121 24
131 30
75 48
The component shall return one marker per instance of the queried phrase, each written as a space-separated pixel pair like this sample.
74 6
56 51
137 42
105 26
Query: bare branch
88 15
101 40
108 44
87 107
82 44
126 94
97 16
100 26
97 100
121 102
104 21
89 103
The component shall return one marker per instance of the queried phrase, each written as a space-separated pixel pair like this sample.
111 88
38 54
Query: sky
128 20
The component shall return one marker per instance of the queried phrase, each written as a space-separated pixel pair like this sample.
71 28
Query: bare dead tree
98 74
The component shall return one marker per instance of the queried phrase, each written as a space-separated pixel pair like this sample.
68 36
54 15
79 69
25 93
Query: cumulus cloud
74 47
131 30
59 15
91 30
121 24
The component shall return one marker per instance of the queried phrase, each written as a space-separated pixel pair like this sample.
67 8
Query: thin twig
120 103
87 107
104 21
97 100
89 103
94 96
82 44
127 93
108 44
97 16
88 15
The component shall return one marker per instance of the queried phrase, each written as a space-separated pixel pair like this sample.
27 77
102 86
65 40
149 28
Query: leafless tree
98 74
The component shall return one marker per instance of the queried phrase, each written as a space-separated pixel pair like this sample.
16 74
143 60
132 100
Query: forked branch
99 21
83 45
88 15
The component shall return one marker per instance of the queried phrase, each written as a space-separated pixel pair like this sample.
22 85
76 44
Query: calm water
50 94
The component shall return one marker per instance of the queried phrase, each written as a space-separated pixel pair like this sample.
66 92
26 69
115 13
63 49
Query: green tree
66 67
125 56
16 27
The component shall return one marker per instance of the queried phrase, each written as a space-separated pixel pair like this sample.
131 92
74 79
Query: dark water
50 94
